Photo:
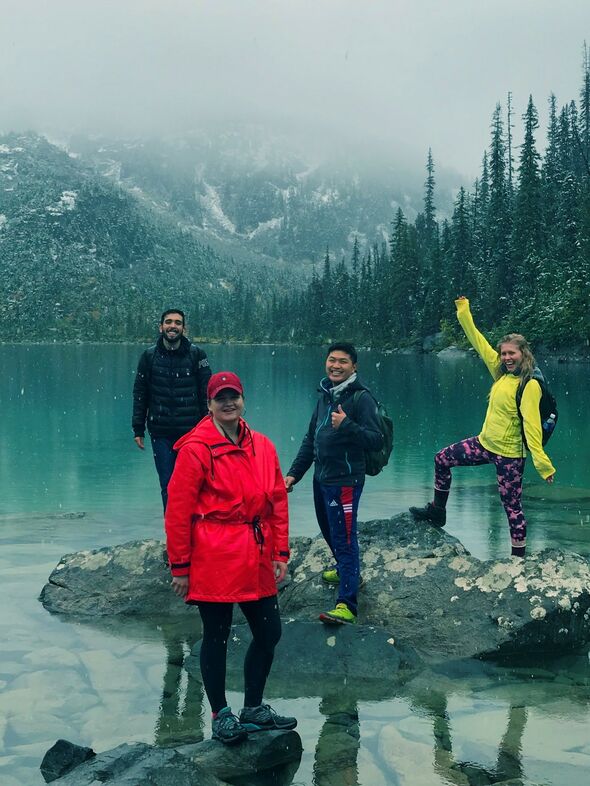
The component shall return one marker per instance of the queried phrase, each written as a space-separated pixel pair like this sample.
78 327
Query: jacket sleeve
279 520
304 458
203 375
141 396
478 341
364 424
531 419
183 491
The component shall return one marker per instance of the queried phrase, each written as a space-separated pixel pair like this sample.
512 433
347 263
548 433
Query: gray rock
63 757
423 585
131 579
128 579
263 751
200 764
139 763
420 583
433 342
449 353
312 658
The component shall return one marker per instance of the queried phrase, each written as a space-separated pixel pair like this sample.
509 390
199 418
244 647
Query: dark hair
343 346
172 311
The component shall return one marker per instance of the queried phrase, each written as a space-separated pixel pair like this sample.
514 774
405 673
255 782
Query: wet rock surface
128 579
421 587
200 764
365 658
139 763
422 584
63 757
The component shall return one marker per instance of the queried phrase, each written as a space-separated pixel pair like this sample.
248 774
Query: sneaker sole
328 620
252 728
230 740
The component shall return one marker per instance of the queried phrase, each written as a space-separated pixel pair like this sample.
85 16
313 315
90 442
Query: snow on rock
211 202
67 201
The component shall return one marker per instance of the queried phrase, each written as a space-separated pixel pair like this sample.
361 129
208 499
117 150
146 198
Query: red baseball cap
222 380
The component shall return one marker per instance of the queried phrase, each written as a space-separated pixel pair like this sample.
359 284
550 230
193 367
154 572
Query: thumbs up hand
338 416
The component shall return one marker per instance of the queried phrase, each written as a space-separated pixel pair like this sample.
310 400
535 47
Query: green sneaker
341 615
330 576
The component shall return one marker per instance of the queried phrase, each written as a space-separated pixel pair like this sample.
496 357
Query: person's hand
139 442
180 585
550 479
460 297
338 417
280 570
289 483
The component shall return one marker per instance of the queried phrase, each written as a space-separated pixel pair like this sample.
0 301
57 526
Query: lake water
66 447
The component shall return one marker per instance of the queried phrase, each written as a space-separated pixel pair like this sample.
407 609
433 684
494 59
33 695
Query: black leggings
265 623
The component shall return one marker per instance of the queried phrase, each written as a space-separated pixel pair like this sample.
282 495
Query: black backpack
375 460
547 407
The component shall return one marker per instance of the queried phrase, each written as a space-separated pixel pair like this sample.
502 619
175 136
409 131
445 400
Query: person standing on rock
227 531
170 393
500 442
343 426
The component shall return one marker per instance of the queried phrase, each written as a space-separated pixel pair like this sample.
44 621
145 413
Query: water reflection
336 752
508 763
180 714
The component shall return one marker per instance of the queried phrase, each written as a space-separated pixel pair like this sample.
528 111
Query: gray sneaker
227 728
264 718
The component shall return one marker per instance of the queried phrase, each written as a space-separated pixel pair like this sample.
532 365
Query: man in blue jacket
170 393
344 424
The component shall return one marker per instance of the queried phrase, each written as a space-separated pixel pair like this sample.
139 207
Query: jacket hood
205 433
326 386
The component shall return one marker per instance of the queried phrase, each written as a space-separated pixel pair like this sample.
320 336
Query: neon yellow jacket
500 432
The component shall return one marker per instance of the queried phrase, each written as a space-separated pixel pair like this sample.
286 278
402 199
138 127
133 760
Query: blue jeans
336 510
164 458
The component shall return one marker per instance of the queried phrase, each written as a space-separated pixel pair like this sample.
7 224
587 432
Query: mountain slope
81 257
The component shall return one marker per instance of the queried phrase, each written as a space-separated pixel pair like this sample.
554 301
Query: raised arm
477 340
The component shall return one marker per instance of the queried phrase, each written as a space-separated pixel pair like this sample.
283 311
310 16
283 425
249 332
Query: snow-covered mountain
250 192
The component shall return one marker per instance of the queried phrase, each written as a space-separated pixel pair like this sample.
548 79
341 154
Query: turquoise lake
67 449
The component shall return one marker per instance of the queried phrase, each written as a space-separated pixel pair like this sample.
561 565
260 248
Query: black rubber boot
430 512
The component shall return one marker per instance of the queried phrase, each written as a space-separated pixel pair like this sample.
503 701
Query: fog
383 77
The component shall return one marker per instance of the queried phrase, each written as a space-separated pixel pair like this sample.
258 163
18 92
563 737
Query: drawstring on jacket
258 534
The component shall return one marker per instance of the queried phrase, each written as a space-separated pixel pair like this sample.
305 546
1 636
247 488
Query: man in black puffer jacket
343 426
170 392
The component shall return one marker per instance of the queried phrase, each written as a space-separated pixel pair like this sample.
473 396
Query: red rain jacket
215 495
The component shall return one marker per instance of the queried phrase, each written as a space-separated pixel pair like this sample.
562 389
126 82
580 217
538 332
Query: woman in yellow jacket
500 442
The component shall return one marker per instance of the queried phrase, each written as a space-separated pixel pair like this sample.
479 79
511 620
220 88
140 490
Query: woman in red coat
227 531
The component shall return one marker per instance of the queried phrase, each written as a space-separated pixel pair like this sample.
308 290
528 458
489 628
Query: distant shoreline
577 354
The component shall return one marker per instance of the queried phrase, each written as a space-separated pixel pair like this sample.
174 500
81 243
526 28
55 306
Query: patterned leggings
509 471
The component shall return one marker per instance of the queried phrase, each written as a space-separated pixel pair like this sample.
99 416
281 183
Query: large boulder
128 579
277 751
206 763
139 763
420 584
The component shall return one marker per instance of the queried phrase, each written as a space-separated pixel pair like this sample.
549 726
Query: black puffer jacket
339 454
170 390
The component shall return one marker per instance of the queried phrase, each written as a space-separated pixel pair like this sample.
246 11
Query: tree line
517 244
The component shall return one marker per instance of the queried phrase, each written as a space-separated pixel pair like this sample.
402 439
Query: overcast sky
395 75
